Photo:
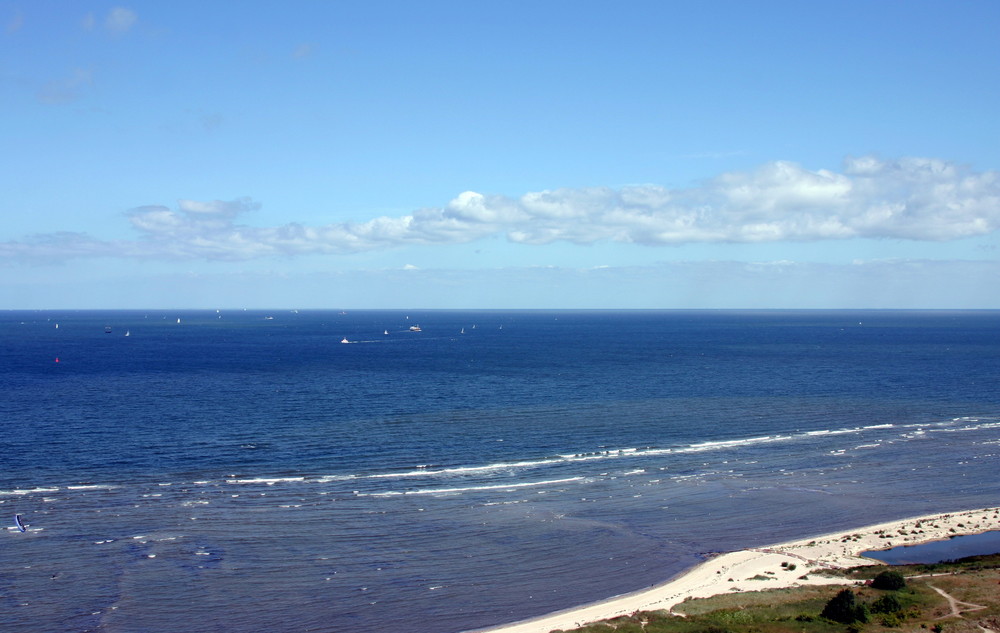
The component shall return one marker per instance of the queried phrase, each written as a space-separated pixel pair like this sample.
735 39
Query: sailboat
19 523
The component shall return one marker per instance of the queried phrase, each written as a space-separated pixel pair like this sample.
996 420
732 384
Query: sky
543 154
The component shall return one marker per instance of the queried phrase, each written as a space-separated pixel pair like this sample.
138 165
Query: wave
424 476
436 491
26 491
43 489
269 481
463 470
905 431
721 444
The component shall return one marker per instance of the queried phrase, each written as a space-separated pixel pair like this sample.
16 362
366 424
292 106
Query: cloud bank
714 284
909 198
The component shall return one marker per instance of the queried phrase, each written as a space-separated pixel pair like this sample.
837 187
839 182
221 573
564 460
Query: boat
415 328
107 329
344 340
19 523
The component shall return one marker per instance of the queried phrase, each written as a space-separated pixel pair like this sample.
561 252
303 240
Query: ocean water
240 471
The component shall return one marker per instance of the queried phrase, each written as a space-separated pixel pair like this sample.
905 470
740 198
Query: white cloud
216 208
303 50
67 89
210 121
910 198
15 23
120 20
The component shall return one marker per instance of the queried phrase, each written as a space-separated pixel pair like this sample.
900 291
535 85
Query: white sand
736 571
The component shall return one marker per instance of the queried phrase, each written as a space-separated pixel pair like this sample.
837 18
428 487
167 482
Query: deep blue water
236 471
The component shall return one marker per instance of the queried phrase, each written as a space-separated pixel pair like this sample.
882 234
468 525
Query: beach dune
784 565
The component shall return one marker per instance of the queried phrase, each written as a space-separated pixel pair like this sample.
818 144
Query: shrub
891 580
890 620
862 614
845 609
887 604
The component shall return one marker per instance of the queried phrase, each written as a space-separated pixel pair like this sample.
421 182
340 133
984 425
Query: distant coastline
784 565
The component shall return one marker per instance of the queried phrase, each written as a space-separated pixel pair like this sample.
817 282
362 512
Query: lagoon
938 551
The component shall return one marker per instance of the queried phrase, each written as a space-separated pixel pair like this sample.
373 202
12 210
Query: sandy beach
783 565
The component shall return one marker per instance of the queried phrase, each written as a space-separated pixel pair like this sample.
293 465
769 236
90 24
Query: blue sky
499 155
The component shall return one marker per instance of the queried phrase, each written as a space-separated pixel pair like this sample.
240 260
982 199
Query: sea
238 471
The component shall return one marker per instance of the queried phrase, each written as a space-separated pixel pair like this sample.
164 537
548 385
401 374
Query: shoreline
745 570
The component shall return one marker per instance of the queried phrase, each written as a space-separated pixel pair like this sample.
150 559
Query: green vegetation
887 604
844 608
891 580
916 606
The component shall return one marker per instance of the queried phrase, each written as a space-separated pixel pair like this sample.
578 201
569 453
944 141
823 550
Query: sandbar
783 565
